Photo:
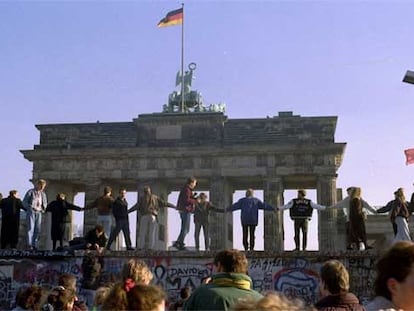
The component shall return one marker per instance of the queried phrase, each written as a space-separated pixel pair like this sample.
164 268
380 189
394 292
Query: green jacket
224 290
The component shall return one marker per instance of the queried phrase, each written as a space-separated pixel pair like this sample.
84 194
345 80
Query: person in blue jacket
249 206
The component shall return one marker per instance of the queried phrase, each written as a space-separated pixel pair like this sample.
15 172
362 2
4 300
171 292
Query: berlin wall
294 274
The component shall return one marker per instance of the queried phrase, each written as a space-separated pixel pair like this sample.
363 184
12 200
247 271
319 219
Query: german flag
172 18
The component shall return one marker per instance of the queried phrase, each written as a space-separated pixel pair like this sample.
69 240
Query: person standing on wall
148 207
185 205
399 215
59 209
201 220
357 232
301 210
35 202
10 219
249 206
104 206
120 212
345 204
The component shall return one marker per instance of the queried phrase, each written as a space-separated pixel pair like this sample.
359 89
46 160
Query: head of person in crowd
231 261
100 296
116 298
334 278
40 185
68 281
31 298
60 298
272 301
146 297
134 272
395 275
185 292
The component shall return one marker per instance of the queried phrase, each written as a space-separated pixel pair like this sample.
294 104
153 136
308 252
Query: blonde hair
272 301
100 295
356 193
137 270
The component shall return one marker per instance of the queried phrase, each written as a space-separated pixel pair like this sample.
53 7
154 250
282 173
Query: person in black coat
60 217
120 212
10 215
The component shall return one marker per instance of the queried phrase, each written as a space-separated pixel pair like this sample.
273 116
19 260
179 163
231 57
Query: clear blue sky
83 61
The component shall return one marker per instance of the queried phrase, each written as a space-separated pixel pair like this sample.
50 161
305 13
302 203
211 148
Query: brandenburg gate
162 150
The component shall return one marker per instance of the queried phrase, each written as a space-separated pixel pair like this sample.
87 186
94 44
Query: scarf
232 282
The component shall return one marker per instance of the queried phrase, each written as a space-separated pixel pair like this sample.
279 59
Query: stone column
327 225
93 189
221 225
273 222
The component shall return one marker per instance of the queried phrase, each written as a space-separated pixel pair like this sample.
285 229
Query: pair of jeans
106 222
34 223
147 230
185 226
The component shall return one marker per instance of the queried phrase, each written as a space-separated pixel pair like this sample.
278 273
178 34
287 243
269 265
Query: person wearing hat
300 210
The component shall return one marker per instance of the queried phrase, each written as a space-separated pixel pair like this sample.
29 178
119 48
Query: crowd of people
112 217
229 288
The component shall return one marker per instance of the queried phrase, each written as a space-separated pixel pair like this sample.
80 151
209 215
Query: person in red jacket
185 205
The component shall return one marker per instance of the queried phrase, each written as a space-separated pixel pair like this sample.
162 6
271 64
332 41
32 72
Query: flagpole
182 61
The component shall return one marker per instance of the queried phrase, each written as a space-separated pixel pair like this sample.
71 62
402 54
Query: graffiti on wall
361 276
296 277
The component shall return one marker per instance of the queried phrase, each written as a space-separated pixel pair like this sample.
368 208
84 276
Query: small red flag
409 155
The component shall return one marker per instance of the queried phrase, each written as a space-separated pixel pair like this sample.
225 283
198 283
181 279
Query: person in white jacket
345 205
